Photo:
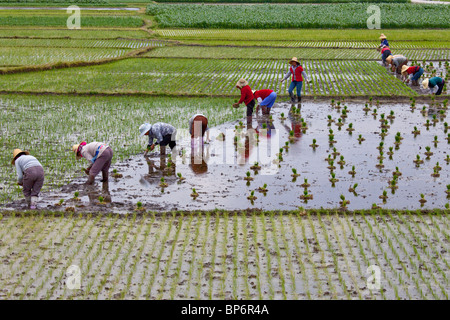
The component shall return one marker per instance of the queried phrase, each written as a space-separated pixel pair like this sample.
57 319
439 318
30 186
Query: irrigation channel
219 176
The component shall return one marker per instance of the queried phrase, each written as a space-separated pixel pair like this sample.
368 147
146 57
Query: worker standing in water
298 74
412 73
99 156
246 97
30 175
435 85
266 99
164 133
198 126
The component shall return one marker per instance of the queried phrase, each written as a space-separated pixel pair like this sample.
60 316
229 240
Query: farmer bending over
198 125
246 97
99 156
30 175
435 85
266 98
414 72
397 62
385 52
297 72
164 133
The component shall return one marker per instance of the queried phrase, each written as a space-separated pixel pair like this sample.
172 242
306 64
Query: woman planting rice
30 175
99 156
164 133
198 123
435 85
397 62
385 52
414 72
384 42
246 97
266 98
297 72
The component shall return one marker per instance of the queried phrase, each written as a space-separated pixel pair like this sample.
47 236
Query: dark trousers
250 107
167 140
33 180
440 86
102 163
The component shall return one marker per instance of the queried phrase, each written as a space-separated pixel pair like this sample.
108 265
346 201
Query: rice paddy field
314 202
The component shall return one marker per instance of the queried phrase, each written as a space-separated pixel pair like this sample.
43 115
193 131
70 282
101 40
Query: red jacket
412 69
384 49
264 93
246 95
298 73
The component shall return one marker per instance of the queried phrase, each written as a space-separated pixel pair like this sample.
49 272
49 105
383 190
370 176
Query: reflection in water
199 157
296 124
94 194
166 169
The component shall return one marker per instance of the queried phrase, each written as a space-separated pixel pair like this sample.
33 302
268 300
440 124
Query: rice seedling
352 189
163 183
305 184
116 175
306 195
180 177
361 139
415 131
428 153
384 196
75 197
333 179
252 196
314 145
194 194
352 172
248 177
139 206
294 173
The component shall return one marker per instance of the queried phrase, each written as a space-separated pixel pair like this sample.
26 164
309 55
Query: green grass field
333 16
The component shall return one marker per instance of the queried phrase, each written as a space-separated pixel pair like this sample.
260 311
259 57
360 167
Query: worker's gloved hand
20 183
281 80
87 170
152 147
407 81
236 105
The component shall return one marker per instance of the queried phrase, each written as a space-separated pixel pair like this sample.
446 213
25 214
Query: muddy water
218 176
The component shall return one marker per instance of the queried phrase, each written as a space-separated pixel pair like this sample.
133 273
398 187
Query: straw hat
294 59
389 59
382 36
75 150
253 91
425 83
404 68
144 128
16 152
242 83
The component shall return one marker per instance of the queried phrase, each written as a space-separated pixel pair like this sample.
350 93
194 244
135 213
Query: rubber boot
90 180
292 97
299 99
162 150
33 203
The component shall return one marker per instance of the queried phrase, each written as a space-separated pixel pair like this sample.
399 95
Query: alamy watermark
73 274
374 21
374 280
74 20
